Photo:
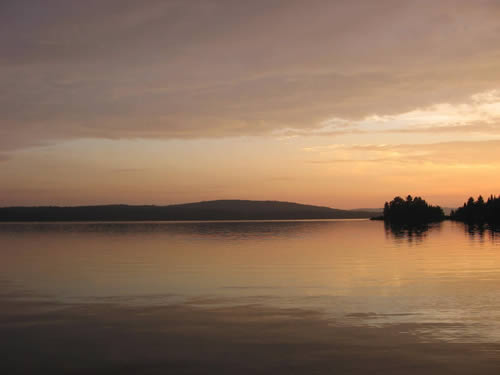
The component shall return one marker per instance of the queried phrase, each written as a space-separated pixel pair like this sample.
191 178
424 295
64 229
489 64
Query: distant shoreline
219 210
179 221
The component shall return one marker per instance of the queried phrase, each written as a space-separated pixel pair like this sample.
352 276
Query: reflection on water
413 234
356 272
483 232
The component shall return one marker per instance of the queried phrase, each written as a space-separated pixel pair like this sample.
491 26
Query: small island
411 211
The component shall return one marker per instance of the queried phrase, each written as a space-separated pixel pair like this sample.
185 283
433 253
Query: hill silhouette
207 210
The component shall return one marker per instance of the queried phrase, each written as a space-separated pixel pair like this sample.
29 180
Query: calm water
357 272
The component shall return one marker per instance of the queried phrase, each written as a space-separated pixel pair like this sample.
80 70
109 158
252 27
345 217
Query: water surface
439 284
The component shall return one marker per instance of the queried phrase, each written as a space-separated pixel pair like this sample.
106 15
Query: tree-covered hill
208 210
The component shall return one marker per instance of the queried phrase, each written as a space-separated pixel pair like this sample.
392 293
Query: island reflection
412 234
483 232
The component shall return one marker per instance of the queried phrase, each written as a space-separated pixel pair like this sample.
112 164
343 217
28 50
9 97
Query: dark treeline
411 211
478 211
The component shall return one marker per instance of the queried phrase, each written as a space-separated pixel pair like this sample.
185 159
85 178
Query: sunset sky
340 103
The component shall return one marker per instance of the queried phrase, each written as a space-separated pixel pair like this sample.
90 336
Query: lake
249 297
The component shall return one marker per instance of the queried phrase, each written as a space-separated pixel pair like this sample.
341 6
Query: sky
342 103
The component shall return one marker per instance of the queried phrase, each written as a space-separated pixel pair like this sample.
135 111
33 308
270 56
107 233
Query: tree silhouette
478 211
411 211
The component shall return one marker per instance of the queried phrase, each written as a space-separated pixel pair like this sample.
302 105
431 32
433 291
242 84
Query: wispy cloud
481 114
128 170
477 154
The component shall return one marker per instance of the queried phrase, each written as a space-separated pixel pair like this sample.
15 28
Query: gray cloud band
179 69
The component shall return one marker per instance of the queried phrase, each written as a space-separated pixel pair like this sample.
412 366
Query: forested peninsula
478 211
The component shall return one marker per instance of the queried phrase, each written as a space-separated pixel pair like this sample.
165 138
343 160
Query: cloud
476 154
127 170
179 69
480 114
